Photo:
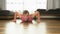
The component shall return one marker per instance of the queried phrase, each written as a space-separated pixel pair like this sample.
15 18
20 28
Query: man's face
27 13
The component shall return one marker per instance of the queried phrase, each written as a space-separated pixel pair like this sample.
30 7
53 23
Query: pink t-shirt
26 18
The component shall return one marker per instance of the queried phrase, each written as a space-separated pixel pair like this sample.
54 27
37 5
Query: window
30 5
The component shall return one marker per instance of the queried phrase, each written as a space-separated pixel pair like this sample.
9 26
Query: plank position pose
26 17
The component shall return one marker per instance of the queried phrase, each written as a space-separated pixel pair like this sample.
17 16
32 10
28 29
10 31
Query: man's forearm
14 16
38 17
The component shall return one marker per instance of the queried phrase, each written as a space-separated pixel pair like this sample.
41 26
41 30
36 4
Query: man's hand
14 21
38 21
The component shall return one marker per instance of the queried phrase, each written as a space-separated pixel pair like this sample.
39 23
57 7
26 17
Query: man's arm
37 14
17 14
38 17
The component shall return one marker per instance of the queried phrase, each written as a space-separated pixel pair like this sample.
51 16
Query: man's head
26 12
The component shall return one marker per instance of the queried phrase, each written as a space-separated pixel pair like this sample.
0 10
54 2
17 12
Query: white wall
53 4
2 4
49 4
59 2
56 4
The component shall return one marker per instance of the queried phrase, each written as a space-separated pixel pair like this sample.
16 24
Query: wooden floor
46 26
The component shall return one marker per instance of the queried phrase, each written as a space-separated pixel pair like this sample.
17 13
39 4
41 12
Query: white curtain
30 5
53 4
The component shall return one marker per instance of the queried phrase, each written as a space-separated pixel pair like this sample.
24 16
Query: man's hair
25 12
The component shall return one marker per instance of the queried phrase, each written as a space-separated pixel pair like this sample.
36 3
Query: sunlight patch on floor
17 28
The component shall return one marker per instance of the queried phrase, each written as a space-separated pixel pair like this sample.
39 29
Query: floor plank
47 26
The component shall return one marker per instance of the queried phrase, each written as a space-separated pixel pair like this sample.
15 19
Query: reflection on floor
46 26
17 28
